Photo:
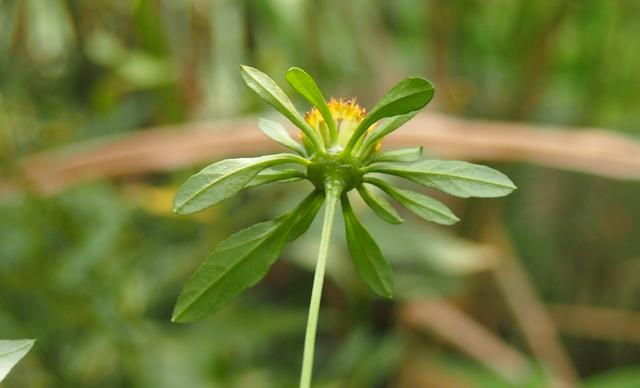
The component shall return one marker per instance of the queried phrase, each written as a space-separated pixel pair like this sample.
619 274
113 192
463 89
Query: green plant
11 352
339 152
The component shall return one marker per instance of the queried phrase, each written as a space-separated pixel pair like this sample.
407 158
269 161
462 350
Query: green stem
333 193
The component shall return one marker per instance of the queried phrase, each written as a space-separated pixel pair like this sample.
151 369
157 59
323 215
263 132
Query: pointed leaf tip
371 265
304 84
380 206
460 179
409 95
270 92
241 261
222 180
11 352
276 132
421 205
237 263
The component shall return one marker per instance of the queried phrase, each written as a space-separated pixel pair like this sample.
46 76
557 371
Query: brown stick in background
461 331
599 323
169 148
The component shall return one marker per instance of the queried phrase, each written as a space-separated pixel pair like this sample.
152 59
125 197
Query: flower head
339 154
347 114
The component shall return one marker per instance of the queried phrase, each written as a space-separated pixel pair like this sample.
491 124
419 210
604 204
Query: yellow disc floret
347 115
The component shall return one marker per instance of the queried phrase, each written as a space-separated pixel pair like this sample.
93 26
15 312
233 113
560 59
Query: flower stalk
332 190
338 153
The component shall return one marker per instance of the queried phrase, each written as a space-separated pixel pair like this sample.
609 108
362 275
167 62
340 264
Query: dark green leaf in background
621 377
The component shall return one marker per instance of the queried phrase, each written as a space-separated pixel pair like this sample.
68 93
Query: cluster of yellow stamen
347 115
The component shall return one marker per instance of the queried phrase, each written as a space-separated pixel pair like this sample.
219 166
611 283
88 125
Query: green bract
338 152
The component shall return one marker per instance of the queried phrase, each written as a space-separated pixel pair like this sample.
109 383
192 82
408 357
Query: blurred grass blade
619 377
403 155
367 257
304 84
11 352
49 30
380 206
279 134
460 179
423 206
241 261
409 95
269 91
222 180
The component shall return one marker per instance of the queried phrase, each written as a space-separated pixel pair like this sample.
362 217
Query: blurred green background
93 271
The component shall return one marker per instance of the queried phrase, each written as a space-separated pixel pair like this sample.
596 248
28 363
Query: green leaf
222 180
237 263
380 206
270 175
409 95
11 352
460 179
367 257
304 84
303 221
383 130
279 134
241 261
403 155
423 206
270 92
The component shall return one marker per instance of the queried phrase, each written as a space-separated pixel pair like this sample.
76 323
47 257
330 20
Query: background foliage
94 271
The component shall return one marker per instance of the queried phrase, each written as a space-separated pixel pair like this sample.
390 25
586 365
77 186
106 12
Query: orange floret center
347 115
